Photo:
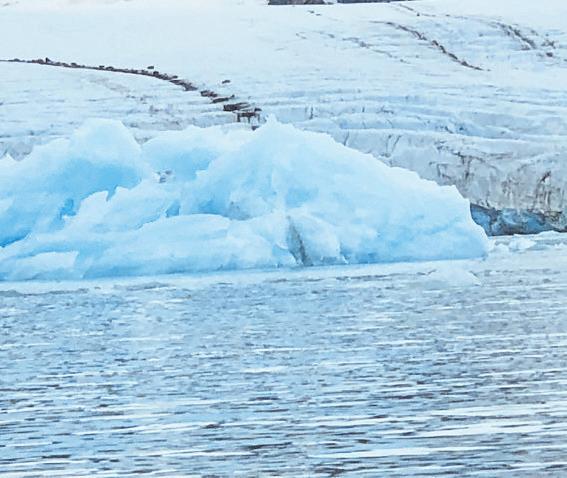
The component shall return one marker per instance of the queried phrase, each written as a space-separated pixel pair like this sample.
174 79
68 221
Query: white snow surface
93 206
469 93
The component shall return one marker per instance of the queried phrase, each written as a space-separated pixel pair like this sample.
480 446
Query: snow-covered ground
465 93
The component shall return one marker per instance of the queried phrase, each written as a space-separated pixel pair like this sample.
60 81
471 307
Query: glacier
469 94
99 204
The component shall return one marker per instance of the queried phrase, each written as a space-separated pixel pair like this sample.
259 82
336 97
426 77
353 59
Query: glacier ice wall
99 204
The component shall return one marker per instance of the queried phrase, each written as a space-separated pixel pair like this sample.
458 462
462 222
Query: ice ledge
504 222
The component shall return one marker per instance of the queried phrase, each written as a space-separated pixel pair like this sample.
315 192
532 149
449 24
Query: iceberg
205 199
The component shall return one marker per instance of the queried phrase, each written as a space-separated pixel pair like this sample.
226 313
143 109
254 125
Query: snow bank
98 204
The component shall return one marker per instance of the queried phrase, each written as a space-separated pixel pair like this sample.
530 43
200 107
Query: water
369 371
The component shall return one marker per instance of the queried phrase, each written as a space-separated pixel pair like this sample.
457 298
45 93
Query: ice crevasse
99 204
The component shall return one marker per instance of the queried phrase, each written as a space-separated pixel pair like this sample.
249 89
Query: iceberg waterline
99 204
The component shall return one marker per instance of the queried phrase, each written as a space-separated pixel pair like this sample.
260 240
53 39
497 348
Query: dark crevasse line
243 110
434 44
527 38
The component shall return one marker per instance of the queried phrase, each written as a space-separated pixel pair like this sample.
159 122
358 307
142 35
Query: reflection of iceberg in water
93 206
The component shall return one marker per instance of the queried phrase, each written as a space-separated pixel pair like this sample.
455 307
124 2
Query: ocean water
392 370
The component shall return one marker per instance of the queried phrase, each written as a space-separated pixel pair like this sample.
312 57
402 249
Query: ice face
38 193
94 206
